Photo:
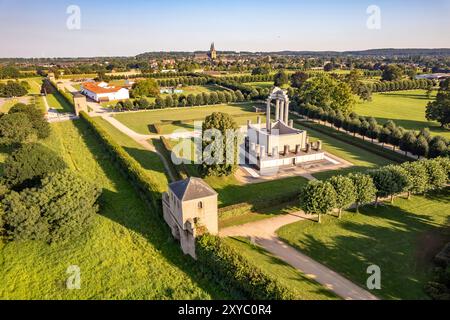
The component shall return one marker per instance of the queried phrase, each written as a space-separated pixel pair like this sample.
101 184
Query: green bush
16 128
61 209
142 181
25 167
226 266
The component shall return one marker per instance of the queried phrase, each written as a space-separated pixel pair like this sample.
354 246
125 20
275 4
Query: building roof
99 88
191 189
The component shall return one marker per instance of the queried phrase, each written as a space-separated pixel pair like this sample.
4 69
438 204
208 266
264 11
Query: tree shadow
120 206
391 241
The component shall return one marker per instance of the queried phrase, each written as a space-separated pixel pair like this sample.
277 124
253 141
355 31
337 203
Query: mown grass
360 158
128 254
401 239
293 279
56 101
141 121
406 108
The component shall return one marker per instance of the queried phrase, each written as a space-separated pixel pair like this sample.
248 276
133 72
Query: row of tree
341 192
13 89
420 144
386 86
175 100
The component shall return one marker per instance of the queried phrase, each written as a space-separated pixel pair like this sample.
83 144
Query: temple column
286 111
277 110
268 126
281 111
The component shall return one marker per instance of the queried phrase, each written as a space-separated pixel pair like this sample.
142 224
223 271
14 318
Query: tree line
421 144
341 192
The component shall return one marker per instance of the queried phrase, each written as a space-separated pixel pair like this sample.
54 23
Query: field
401 239
187 90
406 108
56 101
307 289
141 121
360 158
128 254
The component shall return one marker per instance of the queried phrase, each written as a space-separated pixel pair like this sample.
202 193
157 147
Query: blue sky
38 28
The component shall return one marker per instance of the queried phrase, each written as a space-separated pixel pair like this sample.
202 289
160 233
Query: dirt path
263 233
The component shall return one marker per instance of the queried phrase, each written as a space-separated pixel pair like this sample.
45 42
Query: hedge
141 180
229 269
339 135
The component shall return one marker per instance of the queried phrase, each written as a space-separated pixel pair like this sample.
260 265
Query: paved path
141 139
264 233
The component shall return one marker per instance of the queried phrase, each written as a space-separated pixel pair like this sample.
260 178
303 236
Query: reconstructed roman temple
278 143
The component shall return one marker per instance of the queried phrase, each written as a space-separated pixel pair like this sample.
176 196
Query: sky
45 28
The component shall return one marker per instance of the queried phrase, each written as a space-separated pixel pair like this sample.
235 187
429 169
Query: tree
298 78
407 142
16 128
395 137
389 181
439 110
328 67
143 103
392 73
364 188
217 165
345 192
437 176
262 70
318 197
281 79
416 176
421 147
25 167
145 88
12 89
61 209
327 92
438 147
36 117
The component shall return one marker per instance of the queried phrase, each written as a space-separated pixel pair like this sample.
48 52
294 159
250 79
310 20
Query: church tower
213 52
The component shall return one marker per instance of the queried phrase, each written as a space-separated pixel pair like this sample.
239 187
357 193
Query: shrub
364 187
25 167
228 268
62 208
318 197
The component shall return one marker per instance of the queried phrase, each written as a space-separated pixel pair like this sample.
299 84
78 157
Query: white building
102 92
279 144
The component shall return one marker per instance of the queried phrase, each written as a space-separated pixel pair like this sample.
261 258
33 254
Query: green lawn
189 125
128 254
360 158
287 275
56 101
401 239
406 108
198 89
262 85
141 121
150 161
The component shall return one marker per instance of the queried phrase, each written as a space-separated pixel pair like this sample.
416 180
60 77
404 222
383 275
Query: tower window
200 205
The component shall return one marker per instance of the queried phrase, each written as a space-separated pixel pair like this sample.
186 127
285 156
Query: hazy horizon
40 29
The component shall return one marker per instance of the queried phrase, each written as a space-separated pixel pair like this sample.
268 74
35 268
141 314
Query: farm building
101 91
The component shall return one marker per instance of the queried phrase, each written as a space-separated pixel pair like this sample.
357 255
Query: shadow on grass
417 125
275 262
147 221
388 236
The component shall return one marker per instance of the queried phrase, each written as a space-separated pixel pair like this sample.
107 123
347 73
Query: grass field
288 276
128 254
360 158
406 108
401 239
198 89
56 101
141 121
189 125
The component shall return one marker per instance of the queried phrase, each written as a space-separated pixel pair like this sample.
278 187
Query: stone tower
212 52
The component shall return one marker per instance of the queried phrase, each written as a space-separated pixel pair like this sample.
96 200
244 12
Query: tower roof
191 189
212 46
